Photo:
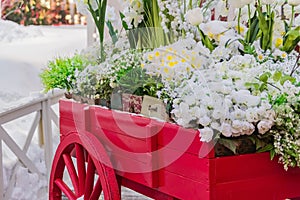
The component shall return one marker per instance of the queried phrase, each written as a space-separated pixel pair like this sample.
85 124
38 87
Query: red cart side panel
253 176
116 131
181 173
72 117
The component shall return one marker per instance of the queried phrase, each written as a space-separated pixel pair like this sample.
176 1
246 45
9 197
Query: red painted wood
68 192
147 191
72 172
96 154
189 166
251 176
182 187
89 181
80 168
96 190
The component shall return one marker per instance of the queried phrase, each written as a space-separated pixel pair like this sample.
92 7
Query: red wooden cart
102 149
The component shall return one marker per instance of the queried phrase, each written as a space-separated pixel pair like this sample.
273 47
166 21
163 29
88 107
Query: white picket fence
42 125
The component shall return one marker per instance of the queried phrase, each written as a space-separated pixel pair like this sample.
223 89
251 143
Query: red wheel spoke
97 190
80 168
72 172
89 181
65 189
76 173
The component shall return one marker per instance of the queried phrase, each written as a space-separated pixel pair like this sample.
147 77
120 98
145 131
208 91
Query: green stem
296 66
102 12
293 16
270 25
205 41
190 4
249 23
239 21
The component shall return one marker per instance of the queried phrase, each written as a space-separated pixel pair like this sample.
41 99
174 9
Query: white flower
194 16
206 134
252 115
226 130
294 2
133 17
204 121
264 126
263 2
137 5
237 127
239 3
110 14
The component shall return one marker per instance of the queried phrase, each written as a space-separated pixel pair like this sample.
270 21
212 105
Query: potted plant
61 73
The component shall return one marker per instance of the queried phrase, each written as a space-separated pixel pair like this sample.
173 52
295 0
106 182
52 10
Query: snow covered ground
24 52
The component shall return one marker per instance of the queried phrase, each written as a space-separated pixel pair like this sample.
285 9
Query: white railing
42 125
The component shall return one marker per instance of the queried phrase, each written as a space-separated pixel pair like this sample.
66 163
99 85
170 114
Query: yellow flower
150 57
172 64
142 65
188 69
157 54
242 29
283 55
210 35
260 57
278 42
169 57
166 70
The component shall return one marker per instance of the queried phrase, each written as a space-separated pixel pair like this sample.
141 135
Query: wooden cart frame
102 149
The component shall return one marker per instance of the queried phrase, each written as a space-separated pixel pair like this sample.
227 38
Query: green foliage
136 81
266 24
291 39
60 73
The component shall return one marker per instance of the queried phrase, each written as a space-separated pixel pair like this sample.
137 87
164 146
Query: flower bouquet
226 68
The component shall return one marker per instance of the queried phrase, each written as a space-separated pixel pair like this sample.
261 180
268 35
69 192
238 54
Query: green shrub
61 73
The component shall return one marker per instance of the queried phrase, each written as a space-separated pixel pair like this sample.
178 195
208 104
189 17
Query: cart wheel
78 173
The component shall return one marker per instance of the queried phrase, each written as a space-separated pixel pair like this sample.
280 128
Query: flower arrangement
227 68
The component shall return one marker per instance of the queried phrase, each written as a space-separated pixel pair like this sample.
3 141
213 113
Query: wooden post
47 134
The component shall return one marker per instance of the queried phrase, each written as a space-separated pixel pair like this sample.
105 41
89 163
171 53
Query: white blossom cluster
175 63
172 18
134 13
287 130
217 100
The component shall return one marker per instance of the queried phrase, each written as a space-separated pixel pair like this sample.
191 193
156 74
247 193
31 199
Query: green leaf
112 32
228 143
265 77
272 154
287 78
277 76
265 148
253 30
291 39
124 24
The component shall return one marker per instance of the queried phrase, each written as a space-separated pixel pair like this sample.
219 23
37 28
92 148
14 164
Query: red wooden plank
188 165
181 187
71 110
247 166
147 191
68 126
127 124
275 187
147 178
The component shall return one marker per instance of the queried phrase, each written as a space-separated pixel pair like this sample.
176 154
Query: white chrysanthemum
206 134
